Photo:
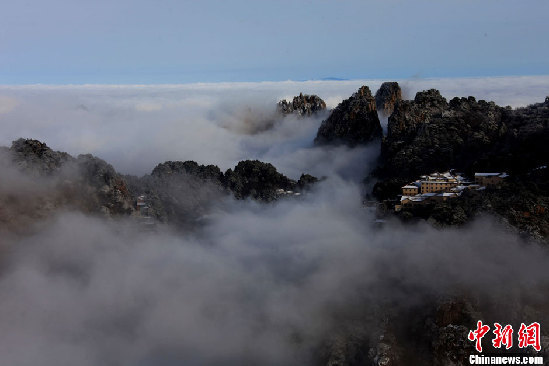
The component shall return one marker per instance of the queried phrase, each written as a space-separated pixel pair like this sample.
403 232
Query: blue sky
165 41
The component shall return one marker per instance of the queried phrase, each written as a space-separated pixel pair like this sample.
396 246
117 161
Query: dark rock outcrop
86 183
429 134
182 192
306 181
205 172
346 350
522 202
179 192
354 121
447 329
431 333
302 105
388 94
35 156
175 192
256 179
107 189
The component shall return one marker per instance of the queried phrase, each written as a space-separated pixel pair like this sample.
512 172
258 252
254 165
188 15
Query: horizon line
218 83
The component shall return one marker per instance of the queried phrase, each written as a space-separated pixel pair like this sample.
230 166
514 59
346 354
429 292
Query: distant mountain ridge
178 192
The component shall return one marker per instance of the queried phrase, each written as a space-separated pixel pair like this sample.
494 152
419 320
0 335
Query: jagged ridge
354 121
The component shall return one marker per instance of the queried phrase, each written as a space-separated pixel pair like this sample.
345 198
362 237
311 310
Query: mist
259 284
262 284
136 127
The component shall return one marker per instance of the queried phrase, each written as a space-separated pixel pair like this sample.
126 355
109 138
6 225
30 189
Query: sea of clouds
136 127
261 284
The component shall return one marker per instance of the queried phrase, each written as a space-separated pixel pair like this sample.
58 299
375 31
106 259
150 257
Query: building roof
410 186
487 174
440 180
417 198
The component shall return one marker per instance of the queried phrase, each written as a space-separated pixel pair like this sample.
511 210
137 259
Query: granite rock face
257 180
429 134
35 156
85 183
179 193
303 105
431 333
388 94
205 172
353 122
182 192
104 187
175 192
306 181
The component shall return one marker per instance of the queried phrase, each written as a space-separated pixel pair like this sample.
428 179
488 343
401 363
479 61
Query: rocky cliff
302 105
429 134
258 180
179 193
176 192
36 157
433 332
522 202
86 182
192 168
354 121
182 192
388 94
101 186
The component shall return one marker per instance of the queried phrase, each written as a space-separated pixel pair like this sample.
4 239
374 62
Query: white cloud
148 107
255 279
7 104
258 284
137 126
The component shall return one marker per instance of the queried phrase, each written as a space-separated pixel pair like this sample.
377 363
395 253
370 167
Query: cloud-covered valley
255 283
136 127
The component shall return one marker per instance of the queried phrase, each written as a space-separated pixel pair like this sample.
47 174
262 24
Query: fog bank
136 127
258 285
261 284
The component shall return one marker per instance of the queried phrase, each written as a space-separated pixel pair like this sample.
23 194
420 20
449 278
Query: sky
151 42
256 284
